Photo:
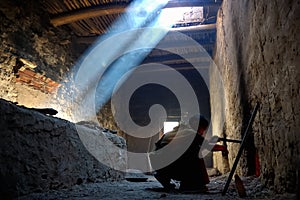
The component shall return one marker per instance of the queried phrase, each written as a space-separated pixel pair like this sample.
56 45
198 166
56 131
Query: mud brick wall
26 34
39 153
257 54
37 60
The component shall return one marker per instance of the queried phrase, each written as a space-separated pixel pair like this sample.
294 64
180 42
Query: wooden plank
95 11
195 28
67 5
86 13
195 61
198 33
77 28
192 3
239 154
171 57
31 65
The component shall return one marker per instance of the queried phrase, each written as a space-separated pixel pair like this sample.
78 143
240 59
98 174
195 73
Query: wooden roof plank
67 5
86 13
98 25
77 4
85 3
192 3
76 13
93 26
78 28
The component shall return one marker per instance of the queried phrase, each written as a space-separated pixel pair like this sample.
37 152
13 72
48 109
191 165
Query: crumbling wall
7 79
106 118
134 144
257 54
39 153
27 34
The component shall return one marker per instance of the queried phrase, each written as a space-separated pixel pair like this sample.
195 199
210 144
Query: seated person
189 169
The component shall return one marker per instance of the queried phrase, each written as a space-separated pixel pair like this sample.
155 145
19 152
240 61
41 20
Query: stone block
40 152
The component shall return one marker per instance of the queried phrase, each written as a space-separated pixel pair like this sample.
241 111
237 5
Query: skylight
181 17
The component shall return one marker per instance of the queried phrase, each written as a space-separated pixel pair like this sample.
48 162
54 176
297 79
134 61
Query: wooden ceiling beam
86 13
195 28
96 11
193 32
166 58
180 67
184 65
192 3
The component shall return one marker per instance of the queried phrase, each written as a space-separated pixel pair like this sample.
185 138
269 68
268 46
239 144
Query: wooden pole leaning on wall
239 154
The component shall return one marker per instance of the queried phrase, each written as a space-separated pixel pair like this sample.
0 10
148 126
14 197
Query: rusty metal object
240 186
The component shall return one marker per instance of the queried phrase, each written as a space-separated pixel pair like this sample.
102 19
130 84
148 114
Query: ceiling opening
169 125
181 17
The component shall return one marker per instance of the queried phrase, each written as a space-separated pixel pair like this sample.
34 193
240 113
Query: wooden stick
239 154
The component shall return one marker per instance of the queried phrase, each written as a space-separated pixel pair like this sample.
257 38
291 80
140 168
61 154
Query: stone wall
39 153
26 34
257 54
134 144
7 79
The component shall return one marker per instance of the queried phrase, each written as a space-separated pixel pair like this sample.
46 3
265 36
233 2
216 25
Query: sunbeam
113 60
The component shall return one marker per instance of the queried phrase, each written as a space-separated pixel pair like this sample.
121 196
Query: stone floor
140 190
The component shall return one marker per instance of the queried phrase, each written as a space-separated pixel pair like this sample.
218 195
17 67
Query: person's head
199 123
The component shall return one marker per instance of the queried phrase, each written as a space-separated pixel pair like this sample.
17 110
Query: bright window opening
182 16
168 126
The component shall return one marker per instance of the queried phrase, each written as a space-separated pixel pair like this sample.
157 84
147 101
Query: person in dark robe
189 168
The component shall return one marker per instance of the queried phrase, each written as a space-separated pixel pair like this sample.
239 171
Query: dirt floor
143 190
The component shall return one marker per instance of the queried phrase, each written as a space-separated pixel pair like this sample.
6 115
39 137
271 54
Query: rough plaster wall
227 58
7 78
257 53
106 118
39 153
134 144
26 33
